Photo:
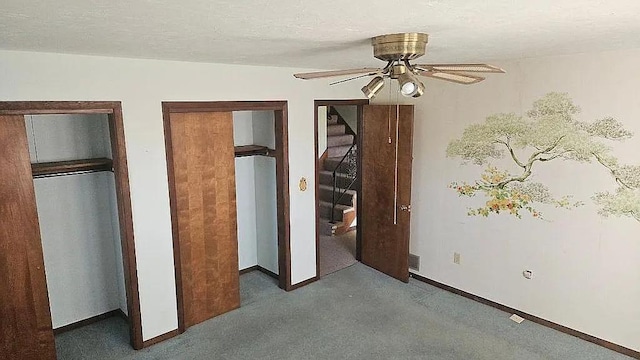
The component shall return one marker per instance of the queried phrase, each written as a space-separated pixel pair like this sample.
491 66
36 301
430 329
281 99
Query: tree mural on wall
548 132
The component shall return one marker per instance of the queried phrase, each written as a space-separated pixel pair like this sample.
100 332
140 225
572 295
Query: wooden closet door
205 204
25 317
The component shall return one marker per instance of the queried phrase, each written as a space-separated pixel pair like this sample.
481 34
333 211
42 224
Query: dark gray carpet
337 252
355 313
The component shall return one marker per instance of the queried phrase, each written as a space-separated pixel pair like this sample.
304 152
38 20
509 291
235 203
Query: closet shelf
71 166
250 150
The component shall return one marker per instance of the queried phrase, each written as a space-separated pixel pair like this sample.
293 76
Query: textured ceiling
316 34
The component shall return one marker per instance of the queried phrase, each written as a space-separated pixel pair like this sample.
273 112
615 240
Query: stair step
335 130
339 140
324 210
330 164
338 151
326 194
326 178
332 120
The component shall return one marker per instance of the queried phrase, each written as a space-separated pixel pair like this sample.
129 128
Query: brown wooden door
25 317
205 206
386 188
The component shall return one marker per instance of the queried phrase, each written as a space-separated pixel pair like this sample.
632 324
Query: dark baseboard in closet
592 339
94 319
249 269
122 315
261 269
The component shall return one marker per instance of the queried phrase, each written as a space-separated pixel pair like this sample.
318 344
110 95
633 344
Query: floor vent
414 262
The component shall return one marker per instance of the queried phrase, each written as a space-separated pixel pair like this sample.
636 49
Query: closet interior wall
78 218
256 193
322 130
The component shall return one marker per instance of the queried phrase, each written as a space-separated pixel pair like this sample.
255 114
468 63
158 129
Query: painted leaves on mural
625 201
548 132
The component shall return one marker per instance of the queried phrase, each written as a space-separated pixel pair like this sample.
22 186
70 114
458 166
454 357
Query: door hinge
405 208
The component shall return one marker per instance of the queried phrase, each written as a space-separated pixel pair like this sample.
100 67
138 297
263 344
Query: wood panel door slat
25 317
204 173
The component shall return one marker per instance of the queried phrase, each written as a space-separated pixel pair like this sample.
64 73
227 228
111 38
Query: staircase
341 157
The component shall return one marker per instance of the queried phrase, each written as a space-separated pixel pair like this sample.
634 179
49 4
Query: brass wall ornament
303 184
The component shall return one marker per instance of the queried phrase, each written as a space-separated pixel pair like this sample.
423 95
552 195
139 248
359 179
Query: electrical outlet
456 258
516 318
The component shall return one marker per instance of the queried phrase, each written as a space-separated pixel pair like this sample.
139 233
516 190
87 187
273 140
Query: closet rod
251 150
71 166
43 176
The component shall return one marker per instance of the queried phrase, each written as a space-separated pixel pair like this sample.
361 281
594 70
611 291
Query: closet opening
228 187
81 247
256 197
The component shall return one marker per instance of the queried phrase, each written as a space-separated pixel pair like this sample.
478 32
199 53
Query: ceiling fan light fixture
410 86
398 50
419 91
373 87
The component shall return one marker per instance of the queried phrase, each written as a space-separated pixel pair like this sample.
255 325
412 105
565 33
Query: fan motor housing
404 46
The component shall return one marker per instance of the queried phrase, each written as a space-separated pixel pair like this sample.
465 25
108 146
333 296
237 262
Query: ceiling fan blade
350 78
326 74
486 68
458 78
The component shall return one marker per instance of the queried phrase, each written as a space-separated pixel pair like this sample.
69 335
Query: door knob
405 208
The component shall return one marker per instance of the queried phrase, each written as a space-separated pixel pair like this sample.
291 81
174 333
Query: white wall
245 193
266 212
263 125
78 245
322 130
78 219
68 137
350 115
586 267
141 86
242 128
117 247
266 192
246 212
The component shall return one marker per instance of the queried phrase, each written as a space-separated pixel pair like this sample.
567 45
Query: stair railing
344 176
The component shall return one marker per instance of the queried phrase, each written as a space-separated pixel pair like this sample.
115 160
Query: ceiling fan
397 50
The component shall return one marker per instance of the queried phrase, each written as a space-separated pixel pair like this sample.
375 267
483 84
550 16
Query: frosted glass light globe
408 89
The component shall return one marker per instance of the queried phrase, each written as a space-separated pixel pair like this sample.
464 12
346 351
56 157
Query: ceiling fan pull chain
395 190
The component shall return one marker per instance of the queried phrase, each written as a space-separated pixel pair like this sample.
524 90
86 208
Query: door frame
282 181
354 102
113 109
